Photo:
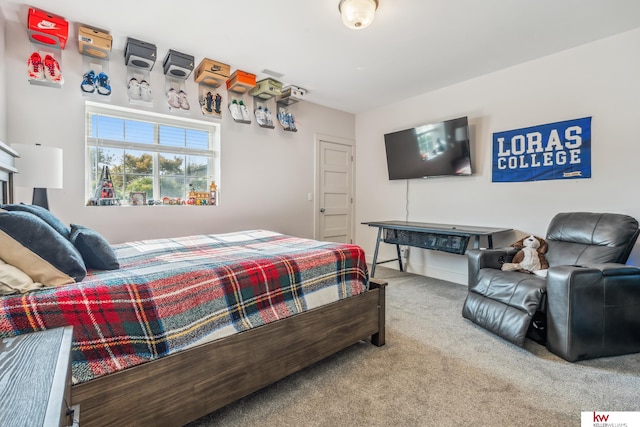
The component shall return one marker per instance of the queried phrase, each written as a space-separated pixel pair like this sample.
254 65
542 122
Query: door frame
317 137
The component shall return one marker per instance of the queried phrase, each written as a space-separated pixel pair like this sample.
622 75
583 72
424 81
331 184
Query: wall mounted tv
437 149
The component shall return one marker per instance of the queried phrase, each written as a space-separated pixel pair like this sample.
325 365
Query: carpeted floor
438 369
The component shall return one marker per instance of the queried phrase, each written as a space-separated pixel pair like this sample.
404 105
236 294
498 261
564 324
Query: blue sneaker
103 86
88 84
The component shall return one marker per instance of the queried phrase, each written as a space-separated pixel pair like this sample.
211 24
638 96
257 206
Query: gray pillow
95 250
30 244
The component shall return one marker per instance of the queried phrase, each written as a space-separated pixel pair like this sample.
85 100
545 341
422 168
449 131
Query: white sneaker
184 102
35 68
173 99
261 117
133 88
245 112
234 108
52 70
268 116
145 91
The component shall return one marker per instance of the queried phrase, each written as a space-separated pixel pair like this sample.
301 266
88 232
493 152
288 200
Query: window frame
155 149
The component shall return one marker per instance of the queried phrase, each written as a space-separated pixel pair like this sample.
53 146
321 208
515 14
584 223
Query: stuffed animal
530 258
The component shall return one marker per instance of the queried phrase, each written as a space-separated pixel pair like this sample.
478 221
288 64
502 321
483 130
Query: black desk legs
375 255
399 257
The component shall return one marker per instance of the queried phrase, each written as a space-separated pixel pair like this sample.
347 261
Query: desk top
437 228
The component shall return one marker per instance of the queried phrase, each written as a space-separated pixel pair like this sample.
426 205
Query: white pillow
14 281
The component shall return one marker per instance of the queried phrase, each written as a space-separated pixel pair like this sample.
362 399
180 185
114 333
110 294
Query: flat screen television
437 149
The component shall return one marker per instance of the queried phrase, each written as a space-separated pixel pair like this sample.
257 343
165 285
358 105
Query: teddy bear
530 258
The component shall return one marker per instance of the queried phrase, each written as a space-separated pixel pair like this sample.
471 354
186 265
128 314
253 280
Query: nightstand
35 379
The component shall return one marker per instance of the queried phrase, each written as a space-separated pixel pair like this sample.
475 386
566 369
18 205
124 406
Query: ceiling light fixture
357 14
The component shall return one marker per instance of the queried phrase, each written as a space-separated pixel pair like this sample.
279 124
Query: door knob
322 210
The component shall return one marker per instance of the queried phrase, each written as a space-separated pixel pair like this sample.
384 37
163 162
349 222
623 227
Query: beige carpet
438 369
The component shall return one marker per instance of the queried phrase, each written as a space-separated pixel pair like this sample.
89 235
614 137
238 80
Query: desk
450 238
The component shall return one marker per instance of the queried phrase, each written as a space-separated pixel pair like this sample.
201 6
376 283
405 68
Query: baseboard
457 274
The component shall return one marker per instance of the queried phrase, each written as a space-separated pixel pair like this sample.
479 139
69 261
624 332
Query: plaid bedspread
171 294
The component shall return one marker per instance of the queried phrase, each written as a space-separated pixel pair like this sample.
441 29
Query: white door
335 191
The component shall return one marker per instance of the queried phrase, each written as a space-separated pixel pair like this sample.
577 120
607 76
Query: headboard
7 169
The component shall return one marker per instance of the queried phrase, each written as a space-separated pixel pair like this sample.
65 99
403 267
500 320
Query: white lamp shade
38 166
358 14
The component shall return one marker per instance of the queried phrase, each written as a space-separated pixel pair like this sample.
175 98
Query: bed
188 325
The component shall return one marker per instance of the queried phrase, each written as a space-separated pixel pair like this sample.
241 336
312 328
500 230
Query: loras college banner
559 150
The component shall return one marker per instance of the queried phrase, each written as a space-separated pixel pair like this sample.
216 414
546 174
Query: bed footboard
185 386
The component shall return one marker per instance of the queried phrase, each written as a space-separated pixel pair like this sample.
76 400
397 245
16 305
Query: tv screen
437 149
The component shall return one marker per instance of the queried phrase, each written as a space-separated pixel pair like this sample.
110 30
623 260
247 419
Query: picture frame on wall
137 198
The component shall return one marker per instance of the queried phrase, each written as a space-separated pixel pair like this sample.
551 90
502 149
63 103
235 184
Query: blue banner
559 150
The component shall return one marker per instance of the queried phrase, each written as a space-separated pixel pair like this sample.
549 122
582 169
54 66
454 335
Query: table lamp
39 167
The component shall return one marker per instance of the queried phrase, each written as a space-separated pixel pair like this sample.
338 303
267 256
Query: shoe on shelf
244 111
208 102
217 101
52 70
173 99
184 102
145 91
291 121
35 67
268 116
282 118
261 117
103 86
88 84
133 89
234 108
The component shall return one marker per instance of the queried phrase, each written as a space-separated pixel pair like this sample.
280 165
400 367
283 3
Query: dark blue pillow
30 244
41 213
95 250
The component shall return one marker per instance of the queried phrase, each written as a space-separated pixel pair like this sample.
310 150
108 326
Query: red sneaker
34 67
52 70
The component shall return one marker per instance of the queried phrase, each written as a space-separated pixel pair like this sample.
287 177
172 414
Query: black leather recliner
588 306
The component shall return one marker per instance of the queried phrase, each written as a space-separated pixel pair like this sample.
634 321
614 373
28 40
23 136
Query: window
162 157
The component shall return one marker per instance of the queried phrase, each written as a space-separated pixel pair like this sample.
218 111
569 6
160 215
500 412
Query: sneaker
184 102
217 101
145 91
103 86
291 121
52 70
88 84
261 117
34 67
244 111
282 118
268 116
173 99
208 103
234 108
133 89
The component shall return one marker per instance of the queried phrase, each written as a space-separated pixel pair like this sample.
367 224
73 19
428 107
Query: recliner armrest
488 258
584 308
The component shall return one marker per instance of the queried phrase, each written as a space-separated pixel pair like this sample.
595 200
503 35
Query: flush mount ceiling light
357 14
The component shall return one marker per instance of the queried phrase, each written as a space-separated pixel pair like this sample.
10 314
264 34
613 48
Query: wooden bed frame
185 386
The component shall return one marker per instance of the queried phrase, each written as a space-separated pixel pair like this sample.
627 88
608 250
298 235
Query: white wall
3 82
266 174
599 80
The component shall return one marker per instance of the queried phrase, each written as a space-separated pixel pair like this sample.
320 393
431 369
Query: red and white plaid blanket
171 294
